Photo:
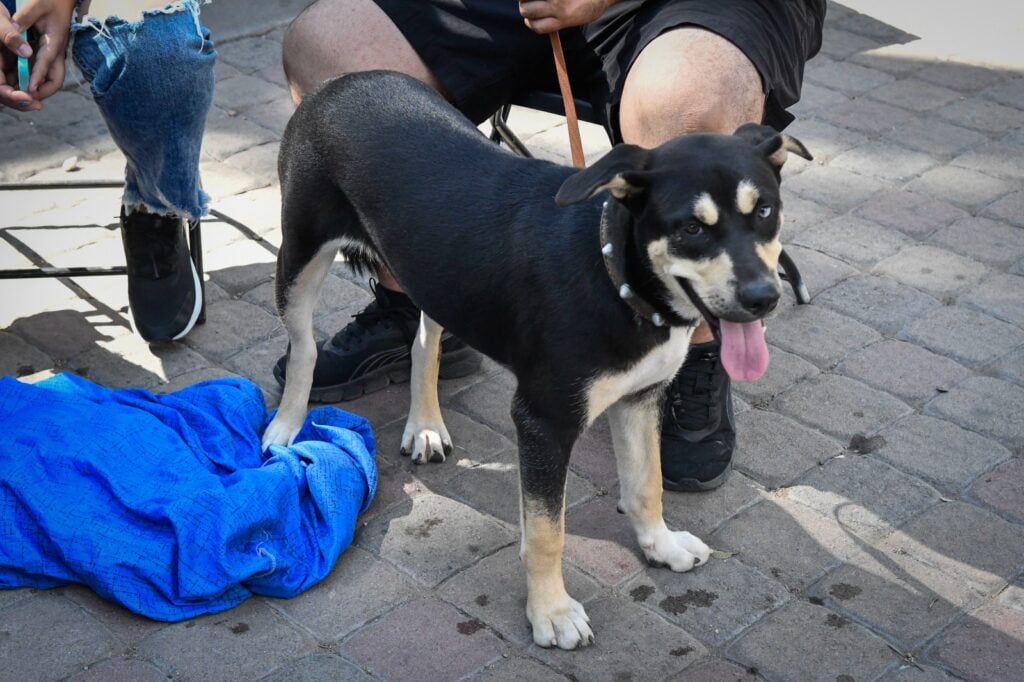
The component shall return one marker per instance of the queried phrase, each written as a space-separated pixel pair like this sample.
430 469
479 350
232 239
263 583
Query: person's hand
52 21
548 16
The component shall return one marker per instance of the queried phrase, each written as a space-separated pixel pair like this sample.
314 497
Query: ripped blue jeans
153 82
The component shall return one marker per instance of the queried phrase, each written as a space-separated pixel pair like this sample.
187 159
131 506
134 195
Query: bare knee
711 87
333 37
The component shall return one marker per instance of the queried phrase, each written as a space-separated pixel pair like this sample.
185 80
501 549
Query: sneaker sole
454 365
692 485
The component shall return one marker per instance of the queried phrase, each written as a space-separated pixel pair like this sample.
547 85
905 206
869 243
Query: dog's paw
280 432
564 624
678 550
426 442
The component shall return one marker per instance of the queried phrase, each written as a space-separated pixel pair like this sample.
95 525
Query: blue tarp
164 503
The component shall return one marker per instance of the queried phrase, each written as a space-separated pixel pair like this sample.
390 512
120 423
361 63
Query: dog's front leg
425 438
634 428
556 618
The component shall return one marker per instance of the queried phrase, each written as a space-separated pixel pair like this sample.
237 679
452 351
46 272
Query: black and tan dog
590 303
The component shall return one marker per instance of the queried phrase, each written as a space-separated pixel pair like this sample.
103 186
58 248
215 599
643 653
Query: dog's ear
775 146
622 171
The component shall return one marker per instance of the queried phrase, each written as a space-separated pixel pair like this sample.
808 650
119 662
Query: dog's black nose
759 297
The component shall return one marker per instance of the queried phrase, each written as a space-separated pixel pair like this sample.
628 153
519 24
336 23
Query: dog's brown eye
693 229
764 212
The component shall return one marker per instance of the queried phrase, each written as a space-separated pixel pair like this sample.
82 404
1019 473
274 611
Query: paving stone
18 358
630 644
63 334
820 335
602 542
226 135
474 444
846 77
961 186
840 44
886 159
357 590
824 140
1009 92
936 271
431 537
889 58
259 210
129 361
241 266
775 450
984 240
1001 296
914 215
839 189
715 670
854 240
907 371
260 162
814 98
936 138
385 406
1002 489
553 144
226 181
962 540
907 600
30 650
494 591
865 496
423 640
240 644
938 451
1013 596
801 214
784 370
231 326
870 27
1000 158
127 627
256 362
252 54
978 114
866 116
715 602
1009 367
28 150
914 94
878 302
335 294
964 335
966 78
840 406
987 645
394 487
242 92
489 402
319 668
807 642
194 377
516 670
1009 209
120 670
819 271
701 514
9 596
273 115
790 542
493 488
593 457
906 672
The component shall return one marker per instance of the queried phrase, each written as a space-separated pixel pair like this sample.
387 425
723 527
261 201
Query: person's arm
52 21
548 16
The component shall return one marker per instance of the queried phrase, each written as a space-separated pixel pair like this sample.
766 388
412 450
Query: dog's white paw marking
563 624
426 442
280 431
678 550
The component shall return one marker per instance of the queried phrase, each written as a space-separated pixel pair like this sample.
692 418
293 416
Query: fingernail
24 105
25 50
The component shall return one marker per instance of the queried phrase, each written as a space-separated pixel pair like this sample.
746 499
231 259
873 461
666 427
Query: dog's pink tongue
744 351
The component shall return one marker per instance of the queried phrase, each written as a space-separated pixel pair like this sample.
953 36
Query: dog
587 284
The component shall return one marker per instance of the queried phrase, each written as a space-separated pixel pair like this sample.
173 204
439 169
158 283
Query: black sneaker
164 292
698 431
372 351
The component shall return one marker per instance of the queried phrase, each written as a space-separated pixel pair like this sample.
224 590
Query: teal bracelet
23 72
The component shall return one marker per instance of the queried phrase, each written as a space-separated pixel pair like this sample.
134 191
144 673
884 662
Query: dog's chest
658 366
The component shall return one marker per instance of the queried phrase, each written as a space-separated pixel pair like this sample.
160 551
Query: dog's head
706 210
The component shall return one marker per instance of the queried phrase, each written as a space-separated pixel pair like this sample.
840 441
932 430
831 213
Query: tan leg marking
637 444
425 436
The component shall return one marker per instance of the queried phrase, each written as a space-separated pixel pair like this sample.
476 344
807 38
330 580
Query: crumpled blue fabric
165 503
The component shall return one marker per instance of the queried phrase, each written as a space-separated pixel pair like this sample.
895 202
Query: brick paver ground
873 529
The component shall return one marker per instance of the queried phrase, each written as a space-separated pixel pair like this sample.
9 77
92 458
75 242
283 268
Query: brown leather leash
572 122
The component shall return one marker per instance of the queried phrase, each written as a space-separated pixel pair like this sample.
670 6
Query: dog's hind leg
556 618
425 438
298 288
635 438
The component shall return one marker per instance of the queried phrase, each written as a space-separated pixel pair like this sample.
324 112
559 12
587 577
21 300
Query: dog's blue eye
693 229
764 212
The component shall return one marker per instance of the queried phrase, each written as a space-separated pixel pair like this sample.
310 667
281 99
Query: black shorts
484 55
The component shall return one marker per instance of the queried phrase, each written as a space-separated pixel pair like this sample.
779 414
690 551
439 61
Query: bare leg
425 438
689 80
